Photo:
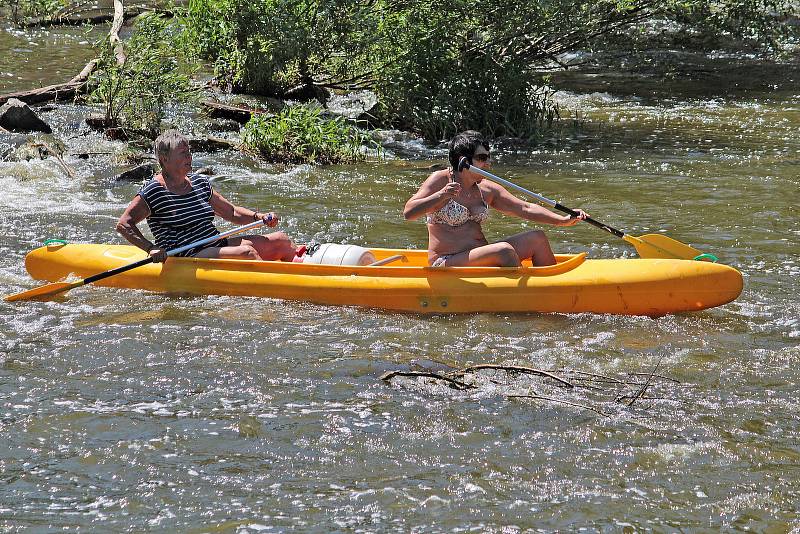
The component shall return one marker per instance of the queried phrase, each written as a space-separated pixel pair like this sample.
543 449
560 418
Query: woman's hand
450 190
270 219
571 220
159 255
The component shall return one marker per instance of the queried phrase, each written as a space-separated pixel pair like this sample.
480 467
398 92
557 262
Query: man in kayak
180 206
457 203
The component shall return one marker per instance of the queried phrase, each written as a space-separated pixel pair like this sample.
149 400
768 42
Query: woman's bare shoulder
490 190
439 176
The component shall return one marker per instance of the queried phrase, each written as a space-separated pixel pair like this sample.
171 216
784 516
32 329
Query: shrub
153 75
440 67
301 134
21 10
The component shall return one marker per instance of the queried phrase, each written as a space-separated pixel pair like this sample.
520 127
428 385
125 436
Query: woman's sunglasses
481 157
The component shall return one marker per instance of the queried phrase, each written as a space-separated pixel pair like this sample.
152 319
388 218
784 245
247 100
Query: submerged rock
211 144
138 173
17 116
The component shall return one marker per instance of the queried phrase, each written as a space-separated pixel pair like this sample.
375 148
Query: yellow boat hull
650 287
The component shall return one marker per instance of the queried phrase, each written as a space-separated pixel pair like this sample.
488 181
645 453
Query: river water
131 411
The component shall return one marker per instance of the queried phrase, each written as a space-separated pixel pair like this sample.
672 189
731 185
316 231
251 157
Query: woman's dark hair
463 145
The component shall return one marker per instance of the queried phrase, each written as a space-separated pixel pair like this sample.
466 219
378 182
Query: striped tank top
177 220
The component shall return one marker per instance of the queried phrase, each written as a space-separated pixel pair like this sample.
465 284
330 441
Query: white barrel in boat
337 254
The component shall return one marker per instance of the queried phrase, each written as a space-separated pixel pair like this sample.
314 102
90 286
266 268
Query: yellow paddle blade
44 292
661 246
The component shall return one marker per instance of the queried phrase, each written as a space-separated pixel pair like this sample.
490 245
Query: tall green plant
137 92
439 67
302 134
21 10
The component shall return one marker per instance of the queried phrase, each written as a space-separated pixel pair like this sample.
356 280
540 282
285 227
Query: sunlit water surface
126 410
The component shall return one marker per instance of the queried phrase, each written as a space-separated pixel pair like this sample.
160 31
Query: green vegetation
136 93
301 134
20 10
439 67
436 68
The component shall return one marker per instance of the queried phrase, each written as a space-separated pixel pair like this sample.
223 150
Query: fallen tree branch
517 369
91 20
641 391
67 169
61 91
386 377
609 379
113 35
240 114
613 392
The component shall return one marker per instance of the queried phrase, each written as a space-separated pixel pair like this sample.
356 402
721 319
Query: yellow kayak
405 282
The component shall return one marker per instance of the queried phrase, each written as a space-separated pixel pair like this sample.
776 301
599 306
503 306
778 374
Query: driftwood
61 91
640 394
456 384
240 114
87 19
467 378
113 35
519 369
212 144
77 85
47 148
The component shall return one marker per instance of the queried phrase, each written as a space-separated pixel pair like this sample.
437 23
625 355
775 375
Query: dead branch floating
519 369
641 391
387 377
593 384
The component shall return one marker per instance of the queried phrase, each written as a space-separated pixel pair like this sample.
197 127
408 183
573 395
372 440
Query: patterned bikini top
455 214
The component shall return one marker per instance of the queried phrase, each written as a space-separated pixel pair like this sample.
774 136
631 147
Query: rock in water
138 173
16 116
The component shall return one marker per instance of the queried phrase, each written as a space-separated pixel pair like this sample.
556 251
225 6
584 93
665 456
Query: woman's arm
237 214
502 200
434 193
136 212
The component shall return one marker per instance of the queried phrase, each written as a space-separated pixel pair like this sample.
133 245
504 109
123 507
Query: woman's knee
507 255
537 237
248 252
279 237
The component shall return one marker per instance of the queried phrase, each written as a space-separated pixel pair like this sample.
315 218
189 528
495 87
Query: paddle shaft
173 252
465 165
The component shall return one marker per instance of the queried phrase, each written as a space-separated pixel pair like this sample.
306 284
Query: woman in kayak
457 203
180 206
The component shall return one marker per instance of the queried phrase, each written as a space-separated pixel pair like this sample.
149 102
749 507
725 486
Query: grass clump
302 134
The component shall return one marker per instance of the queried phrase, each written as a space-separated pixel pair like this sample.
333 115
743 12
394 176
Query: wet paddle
50 290
648 246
